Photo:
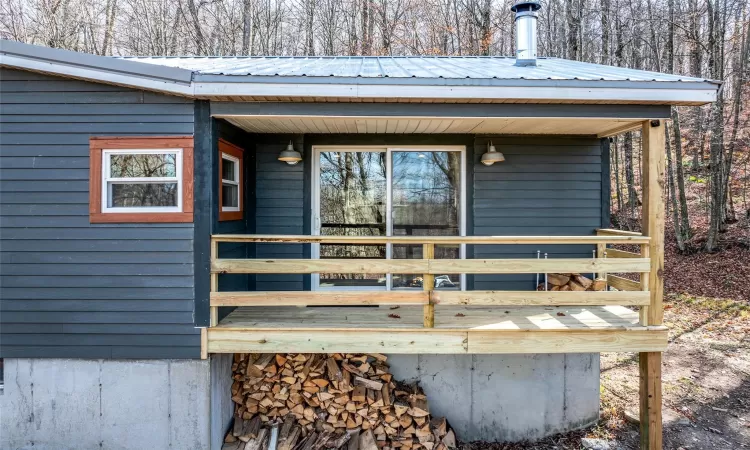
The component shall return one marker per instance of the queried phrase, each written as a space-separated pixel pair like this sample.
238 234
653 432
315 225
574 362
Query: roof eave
695 95
96 68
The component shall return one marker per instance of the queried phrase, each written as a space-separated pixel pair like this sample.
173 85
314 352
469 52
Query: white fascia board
645 95
97 75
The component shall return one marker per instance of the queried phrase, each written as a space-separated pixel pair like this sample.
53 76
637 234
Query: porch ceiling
432 125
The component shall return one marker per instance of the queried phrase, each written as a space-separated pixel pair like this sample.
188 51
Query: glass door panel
426 193
353 198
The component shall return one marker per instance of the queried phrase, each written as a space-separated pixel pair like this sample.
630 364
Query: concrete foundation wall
81 404
61 404
222 407
507 397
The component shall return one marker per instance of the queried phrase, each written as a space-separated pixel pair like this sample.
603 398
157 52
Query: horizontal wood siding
279 209
70 288
546 186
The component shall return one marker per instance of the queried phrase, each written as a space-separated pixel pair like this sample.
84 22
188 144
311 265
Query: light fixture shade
492 156
290 155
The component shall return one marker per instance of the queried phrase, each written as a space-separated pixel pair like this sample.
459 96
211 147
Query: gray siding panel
70 288
546 186
279 210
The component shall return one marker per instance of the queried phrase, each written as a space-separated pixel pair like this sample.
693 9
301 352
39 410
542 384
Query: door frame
315 199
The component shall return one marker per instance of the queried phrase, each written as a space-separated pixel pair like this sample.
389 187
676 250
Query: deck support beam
652 217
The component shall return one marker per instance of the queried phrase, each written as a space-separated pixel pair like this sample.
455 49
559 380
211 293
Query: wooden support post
652 217
428 284
214 310
204 343
652 214
651 427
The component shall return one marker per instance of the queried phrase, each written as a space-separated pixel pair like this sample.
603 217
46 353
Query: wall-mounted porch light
492 156
290 155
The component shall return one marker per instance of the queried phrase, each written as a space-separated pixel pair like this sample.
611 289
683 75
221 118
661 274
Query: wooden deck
458 329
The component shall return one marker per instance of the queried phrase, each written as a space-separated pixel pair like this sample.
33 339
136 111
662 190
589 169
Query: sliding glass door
361 191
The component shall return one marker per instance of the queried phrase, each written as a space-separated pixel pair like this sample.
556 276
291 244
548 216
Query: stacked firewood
572 282
301 401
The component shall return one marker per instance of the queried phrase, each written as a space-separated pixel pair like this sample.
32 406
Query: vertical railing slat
214 310
428 284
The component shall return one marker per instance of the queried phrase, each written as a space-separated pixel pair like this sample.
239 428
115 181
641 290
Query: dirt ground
706 384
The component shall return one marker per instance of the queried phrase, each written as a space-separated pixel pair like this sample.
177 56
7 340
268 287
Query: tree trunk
605 31
574 25
618 183
247 24
672 198
109 27
309 32
629 176
680 173
682 220
200 43
486 28
365 28
716 66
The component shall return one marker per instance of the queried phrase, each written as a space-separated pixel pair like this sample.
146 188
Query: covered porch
551 195
293 304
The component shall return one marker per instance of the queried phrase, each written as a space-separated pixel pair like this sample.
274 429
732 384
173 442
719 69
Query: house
162 213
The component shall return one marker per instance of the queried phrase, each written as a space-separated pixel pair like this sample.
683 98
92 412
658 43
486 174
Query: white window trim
236 162
107 180
315 213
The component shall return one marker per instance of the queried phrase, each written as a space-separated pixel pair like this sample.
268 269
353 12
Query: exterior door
370 191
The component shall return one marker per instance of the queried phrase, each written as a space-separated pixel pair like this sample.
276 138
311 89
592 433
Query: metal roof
420 67
397 79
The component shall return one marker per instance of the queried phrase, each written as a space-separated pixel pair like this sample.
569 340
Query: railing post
214 310
652 217
428 284
601 252
645 279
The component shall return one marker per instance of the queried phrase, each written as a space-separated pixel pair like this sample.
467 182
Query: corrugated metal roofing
420 67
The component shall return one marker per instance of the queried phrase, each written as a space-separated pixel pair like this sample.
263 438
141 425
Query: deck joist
457 330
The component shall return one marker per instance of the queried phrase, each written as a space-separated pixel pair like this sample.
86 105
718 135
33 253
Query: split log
583 281
557 279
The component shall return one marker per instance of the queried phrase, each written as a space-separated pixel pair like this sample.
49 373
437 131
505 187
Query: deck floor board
446 317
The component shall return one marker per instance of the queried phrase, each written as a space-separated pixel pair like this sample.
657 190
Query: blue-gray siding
547 186
279 209
70 288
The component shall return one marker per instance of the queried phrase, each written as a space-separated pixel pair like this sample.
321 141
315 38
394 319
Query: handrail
615 232
430 266
437 240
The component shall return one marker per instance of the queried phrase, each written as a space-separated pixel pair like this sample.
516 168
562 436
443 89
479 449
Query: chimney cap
526 5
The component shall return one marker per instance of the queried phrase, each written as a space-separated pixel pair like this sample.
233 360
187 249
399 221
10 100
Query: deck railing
628 292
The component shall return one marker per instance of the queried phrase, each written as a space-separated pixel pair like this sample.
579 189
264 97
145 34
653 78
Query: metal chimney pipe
526 17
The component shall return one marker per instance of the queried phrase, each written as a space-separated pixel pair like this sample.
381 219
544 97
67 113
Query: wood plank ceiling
429 125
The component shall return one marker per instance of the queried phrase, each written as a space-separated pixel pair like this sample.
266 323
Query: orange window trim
237 152
98 144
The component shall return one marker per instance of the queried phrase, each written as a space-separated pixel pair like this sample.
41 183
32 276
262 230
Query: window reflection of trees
128 195
352 203
426 202
143 166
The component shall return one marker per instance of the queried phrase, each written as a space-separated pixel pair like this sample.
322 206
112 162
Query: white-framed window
141 180
230 183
